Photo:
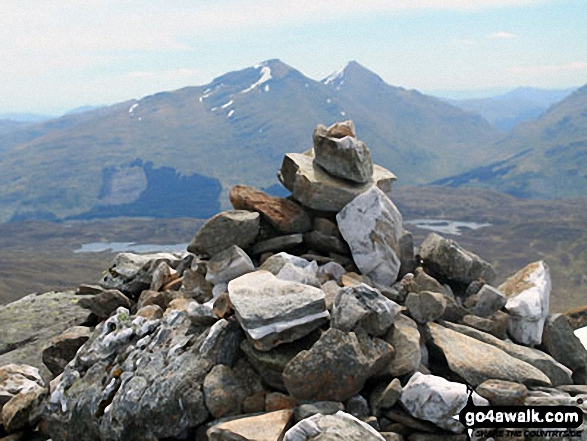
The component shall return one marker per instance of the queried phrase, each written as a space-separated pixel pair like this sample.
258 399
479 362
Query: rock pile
301 318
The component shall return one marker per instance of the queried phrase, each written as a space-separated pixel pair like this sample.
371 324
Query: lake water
445 226
129 247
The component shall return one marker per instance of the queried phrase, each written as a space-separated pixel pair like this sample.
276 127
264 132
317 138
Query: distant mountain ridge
234 130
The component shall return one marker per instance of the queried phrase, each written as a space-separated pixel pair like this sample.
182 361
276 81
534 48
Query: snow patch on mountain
265 76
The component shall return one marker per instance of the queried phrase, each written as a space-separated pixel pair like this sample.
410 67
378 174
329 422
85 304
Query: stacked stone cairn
310 317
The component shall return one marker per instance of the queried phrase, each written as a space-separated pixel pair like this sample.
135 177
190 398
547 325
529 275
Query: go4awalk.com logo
528 421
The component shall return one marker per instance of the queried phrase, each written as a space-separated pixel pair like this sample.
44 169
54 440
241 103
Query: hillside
119 159
512 108
548 156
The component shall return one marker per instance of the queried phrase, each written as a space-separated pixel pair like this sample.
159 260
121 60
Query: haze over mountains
177 153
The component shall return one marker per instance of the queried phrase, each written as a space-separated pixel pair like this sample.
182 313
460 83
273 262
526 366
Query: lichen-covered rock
314 188
274 311
235 227
528 294
445 258
372 226
346 157
336 367
284 215
426 306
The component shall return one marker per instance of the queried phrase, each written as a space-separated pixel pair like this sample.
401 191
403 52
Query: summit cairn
299 318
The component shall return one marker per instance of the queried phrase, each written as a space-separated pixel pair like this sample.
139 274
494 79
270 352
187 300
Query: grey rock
133 273
337 130
314 188
85 289
489 301
201 315
235 227
406 254
278 243
496 325
385 396
274 311
331 271
421 281
364 306
372 226
555 371
306 275
426 306
16 412
503 393
150 312
267 426
162 275
228 264
336 367
560 341
225 388
135 379
331 290
62 348
194 284
444 257
28 325
346 158
274 263
358 407
528 294
437 400
323 243
477 362
326 226
16 379
340 426
105 303
318 407
405 339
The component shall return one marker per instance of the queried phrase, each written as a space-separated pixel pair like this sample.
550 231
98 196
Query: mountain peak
352 72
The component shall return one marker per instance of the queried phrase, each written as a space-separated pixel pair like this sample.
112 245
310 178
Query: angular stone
27 326
503 393
318 407
405 339
15 413
577 317
406 253
314 188
341 129
447 260
324 243
340 426
556 372
423 282
104 304
273 311
85 289
16 379
357 406
266 427
284 215
278 401
225 389
274 263
346 158
385 396
560 341
236 227
528 294
150 312
331 271
278 243
306 275
62 348
163 275
201 315
477 362
372 226
228 264
437 400
364 306
489 301
194 282
426 306
495 325
335 368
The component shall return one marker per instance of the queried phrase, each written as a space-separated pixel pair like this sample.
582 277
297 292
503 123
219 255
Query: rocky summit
311 317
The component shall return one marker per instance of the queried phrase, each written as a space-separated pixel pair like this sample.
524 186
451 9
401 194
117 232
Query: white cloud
502 35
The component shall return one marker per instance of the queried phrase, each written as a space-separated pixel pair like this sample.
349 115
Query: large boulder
446 260
560 341
477 362
28 325
372 226
284 215
274 311
346 157
528 294
336 367
235 227
314 188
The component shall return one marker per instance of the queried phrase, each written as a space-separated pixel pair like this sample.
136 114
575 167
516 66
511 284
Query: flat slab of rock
372 226
437 400
274 311
477 362
28 325
445 258
336 367
528 294
235 227
284 215
279 243
346 157
555 371
266 427
503 393
314 188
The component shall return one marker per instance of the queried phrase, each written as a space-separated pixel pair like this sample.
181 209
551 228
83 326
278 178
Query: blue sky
60 54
